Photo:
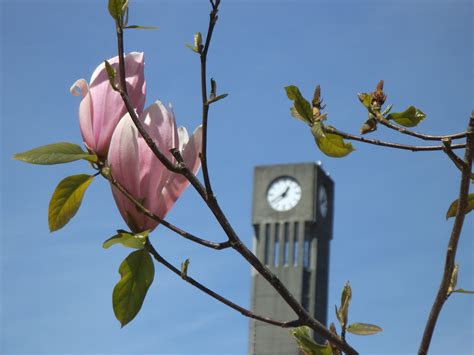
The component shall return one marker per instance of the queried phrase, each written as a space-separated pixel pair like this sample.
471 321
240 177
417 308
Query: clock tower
292 218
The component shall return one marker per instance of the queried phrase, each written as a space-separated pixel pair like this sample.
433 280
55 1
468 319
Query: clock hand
281 196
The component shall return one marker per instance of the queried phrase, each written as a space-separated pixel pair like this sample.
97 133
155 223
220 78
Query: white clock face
323 201
284 193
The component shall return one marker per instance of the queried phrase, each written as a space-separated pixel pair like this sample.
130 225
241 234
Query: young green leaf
217 98
301 108
67 199
57 153
184 269
117 8
461 290
306 343
329 143
454 279
453 208
408 118
111 73
365 99
137 272
343 311
138 27
363 329
127 239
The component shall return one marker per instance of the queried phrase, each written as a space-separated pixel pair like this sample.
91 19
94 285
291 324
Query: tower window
276 249
286 232
307 247
295 244
266 250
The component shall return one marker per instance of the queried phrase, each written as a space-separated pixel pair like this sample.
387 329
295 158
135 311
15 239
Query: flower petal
85 112
124 162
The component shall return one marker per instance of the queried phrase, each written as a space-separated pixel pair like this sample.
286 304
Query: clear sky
390 233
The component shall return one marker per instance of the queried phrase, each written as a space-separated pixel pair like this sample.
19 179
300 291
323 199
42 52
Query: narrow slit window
295 245
306 252
276 249
266 251
286 232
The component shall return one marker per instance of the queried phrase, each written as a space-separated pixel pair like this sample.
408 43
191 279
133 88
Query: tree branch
215 295
148 213
453 241
454 158
403 130
205 102
412 148
210 200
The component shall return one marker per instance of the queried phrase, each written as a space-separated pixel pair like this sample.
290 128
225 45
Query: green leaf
461 290
329 143
453 208
138 27
127 239
117 8
363 329
343 311
301 108
67 199
137 272
191 47
184 269
198 41
387 109
111 74
408 118
57 153
307 344
454 279
365 99
218 97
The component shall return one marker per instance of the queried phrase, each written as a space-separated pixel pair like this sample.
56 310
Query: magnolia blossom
136 168
102 108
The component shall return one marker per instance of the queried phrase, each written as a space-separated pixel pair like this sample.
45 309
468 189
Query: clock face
284 193
323 202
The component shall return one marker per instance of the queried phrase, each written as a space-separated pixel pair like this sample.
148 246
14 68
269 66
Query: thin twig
449 152
177 230
303 315
215 295
412 148
453 241
205 102
426 137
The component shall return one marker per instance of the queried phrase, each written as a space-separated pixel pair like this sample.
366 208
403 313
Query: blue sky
390 233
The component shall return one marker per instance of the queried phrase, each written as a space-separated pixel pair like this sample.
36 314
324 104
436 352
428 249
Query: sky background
390 233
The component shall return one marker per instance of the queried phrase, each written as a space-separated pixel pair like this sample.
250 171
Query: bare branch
453 241
215 295
148 213
412 148
426 137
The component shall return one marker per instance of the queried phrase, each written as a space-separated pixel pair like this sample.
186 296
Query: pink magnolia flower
102 108
136 168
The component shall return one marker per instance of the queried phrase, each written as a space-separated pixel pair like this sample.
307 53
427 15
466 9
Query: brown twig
303 316
215 295
205 102
449 152
148 213
412 148
403 130
453 241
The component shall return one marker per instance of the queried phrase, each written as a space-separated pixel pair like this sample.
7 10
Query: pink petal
85 112
124 162
108 106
